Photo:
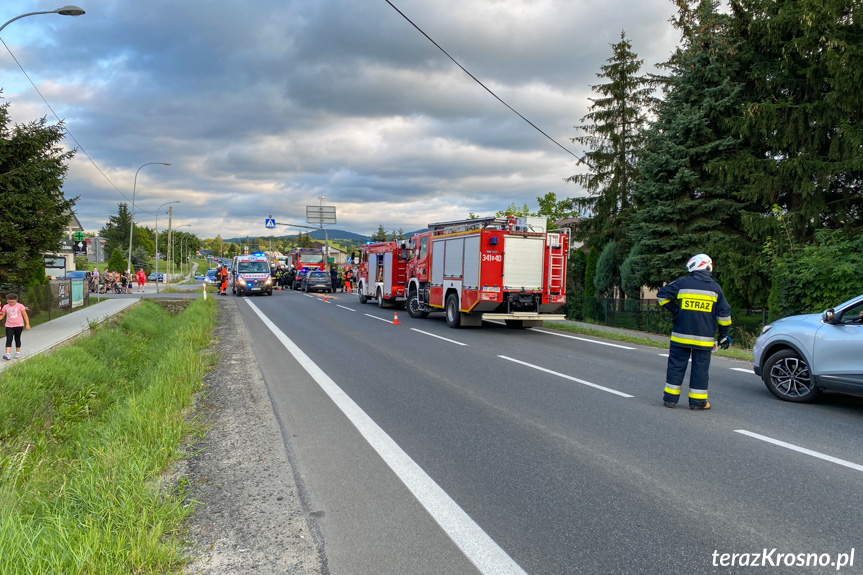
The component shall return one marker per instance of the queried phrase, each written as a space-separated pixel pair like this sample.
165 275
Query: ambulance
250 275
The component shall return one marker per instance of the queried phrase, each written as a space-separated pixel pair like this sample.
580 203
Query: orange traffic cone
325 297
396 318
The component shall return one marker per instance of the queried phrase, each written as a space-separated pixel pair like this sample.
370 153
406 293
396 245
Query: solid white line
743 370
563 375
437 336
376 317
803 450
495 321
343 307
582 339
478 547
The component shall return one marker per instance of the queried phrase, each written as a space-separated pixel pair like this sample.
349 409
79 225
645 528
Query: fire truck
309 258
492 268
381 273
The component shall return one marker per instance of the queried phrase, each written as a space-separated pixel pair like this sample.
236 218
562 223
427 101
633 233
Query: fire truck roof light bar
475 223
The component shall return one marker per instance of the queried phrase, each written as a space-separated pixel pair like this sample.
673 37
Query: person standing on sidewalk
17 321
142 279
697 304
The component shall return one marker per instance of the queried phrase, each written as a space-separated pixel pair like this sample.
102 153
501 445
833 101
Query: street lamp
64 11
157 240
173 256
132 223
184 249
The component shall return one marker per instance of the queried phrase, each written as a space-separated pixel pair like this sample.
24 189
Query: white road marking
343 307
493 321
797 448
379 318
582 339
437 336
563 375
488 557
743 370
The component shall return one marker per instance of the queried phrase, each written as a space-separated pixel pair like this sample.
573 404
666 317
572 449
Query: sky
263 106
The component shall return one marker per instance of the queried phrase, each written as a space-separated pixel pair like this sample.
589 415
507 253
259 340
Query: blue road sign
269 223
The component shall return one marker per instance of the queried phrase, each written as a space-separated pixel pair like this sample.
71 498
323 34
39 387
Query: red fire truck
381 273
506 269
309 258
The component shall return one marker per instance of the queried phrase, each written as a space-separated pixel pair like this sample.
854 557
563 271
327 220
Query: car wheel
787 376
453 315
413 306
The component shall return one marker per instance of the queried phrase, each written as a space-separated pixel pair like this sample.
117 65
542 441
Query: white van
250 275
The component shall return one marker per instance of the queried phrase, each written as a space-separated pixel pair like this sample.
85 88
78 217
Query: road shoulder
250 519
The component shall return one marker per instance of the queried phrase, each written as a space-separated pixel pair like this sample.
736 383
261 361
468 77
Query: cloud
262 107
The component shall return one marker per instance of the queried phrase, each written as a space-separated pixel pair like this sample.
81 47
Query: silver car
798 356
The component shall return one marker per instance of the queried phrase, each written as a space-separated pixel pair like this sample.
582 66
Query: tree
513 210
607 275
116 231
553 209
34 213
305 241
686 204
802 126
380 235
116 263
613 138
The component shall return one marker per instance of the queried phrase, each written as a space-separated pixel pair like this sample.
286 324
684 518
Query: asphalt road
557 451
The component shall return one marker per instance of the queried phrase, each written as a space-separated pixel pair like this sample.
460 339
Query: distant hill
314 234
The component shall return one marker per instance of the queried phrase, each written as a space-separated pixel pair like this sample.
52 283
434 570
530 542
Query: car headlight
242 281
766 328
269 281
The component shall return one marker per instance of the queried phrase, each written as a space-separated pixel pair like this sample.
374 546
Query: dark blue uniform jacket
698 304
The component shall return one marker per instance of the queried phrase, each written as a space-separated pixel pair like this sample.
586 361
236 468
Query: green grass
85 434
732 352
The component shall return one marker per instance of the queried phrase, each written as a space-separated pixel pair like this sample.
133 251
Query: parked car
153 277
210 277
74 275
798 356
317 281
199 277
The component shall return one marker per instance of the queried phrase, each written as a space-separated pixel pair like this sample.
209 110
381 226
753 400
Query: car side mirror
828 316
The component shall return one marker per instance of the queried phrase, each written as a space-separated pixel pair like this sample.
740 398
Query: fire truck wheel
413 306
382 303
363 298
453 316
515 324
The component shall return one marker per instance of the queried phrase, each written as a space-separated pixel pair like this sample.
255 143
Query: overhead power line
66 127
516 112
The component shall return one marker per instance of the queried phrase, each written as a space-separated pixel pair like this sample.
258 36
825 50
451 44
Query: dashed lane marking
377 318
569 377
583 339
343 307
803 450
438 336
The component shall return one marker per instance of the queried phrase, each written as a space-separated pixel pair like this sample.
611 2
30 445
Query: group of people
285 277
113 281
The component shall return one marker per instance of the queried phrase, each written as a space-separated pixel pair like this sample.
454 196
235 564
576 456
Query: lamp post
184 249
132 223
157 240
64 11
173 257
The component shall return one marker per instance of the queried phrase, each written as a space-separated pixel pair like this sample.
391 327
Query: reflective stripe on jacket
699 305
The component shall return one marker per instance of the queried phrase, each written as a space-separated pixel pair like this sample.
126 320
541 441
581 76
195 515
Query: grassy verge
85 434
732 352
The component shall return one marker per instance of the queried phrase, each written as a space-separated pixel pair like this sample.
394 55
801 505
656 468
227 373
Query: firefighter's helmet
700 263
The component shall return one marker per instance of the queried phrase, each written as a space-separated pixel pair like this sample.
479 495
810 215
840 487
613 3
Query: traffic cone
396 318
325 297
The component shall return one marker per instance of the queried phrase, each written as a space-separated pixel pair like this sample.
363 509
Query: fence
647 315
47 302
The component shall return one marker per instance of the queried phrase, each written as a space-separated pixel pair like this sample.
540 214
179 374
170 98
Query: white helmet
700 263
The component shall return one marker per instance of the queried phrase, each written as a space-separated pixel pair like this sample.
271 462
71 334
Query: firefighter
349 278
223 284
334 278
697 304
292 277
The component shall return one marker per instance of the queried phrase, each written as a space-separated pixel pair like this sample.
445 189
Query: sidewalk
54 333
